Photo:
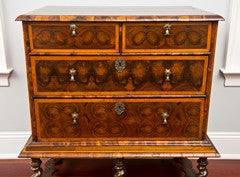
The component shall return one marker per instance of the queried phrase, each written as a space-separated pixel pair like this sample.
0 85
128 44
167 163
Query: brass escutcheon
120 64
119 108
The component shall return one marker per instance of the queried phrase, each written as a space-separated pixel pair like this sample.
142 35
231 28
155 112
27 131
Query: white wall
14 110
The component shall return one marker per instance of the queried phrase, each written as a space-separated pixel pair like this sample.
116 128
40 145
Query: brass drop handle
165 116
119 108
120 64
73 27
75 116
167 28
167 74
72 73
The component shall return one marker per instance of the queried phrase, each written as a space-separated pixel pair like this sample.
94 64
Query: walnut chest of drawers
119 82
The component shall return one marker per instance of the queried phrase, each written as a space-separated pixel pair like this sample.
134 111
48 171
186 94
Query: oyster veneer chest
119 82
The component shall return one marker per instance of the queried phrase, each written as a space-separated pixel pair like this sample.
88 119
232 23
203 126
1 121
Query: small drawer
167 37
123 119
63 37
123 75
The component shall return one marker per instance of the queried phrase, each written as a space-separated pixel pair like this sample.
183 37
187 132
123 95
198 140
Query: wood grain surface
88 38
139 120
151 37
119 149
99 75
117 13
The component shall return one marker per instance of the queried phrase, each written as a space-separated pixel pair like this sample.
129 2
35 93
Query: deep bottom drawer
119 119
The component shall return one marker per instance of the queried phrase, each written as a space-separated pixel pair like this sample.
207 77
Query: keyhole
120 63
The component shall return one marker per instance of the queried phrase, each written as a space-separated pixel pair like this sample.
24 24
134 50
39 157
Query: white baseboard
12 143
227 143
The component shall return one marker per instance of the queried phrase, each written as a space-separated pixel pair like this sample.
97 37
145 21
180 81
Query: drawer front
160 37
74 37
124 119
96 75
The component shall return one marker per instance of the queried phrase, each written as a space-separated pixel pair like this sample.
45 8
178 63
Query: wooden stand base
186 167
179 150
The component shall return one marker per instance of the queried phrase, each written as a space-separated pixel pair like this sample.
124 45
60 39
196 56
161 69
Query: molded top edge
119 13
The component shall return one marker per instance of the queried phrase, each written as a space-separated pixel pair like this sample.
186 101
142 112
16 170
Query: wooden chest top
124 13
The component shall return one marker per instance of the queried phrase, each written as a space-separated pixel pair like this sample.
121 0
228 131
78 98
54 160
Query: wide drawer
123 119
73 37
113 75
167 37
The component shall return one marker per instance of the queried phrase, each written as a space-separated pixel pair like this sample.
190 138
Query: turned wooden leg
35 166
50 167
202 167
186 167
119 167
